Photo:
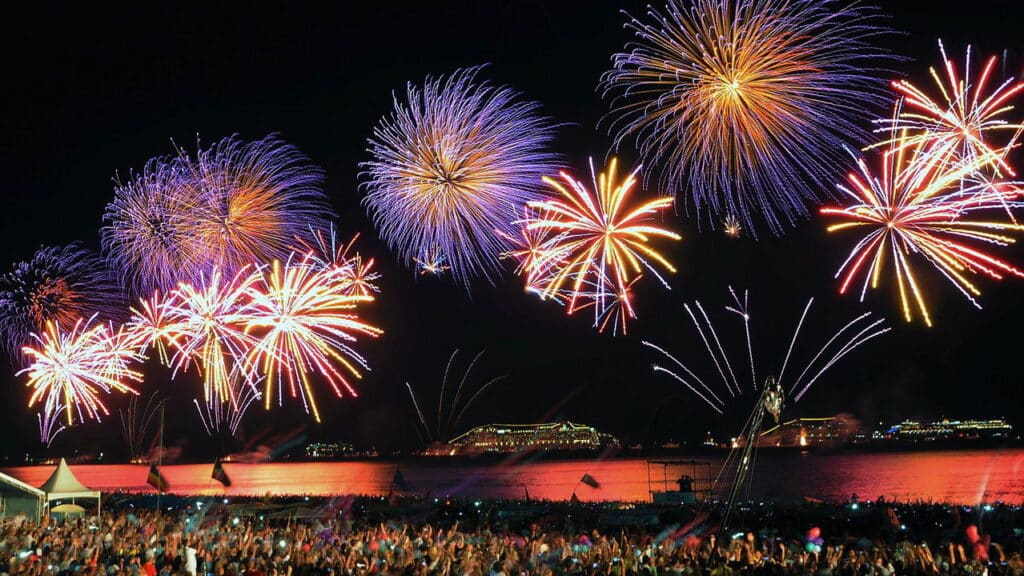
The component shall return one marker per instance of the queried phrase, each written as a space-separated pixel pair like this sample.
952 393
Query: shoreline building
806 432
552 436
945 429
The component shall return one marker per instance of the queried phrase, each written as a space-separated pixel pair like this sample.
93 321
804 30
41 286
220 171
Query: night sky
89 95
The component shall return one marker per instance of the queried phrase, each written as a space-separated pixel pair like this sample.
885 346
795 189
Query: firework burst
69 369
146 236
922 208
255 198
598 246
152 326
453 164
968 121
205 326
59 285
303 322
232 205
745 105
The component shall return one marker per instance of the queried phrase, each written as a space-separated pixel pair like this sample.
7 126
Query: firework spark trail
711 353
867 333
216 415
597 245
69 369
742 309
718 343
744 107
449 410
792 341
50 425
135 425
691 374
453 163
846 339
416 405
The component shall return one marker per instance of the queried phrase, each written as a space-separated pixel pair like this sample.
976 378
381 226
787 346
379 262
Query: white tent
63 485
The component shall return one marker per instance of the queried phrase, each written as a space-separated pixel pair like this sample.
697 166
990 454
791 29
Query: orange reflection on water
966 477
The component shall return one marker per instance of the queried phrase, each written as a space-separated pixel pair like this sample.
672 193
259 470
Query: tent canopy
17 497
71 509
63 485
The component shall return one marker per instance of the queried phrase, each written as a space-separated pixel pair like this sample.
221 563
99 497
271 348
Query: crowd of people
366 536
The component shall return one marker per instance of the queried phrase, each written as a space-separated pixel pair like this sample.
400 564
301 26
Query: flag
574 500
156 479
590 481
527 490
219 474
399 481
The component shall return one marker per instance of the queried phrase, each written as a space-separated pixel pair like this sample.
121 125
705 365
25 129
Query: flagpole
160 461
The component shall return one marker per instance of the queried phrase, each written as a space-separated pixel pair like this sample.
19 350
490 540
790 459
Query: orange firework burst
965 125
743 107
70 368
303 322
598 245
923 207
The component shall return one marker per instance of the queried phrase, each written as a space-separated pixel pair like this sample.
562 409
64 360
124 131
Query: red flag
219 474
156 479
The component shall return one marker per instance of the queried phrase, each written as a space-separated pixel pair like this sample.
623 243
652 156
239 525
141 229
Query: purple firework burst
452 166
234 204
60 284
744 107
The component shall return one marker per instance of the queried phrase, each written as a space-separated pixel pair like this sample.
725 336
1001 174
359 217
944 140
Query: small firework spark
432 262
732 226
